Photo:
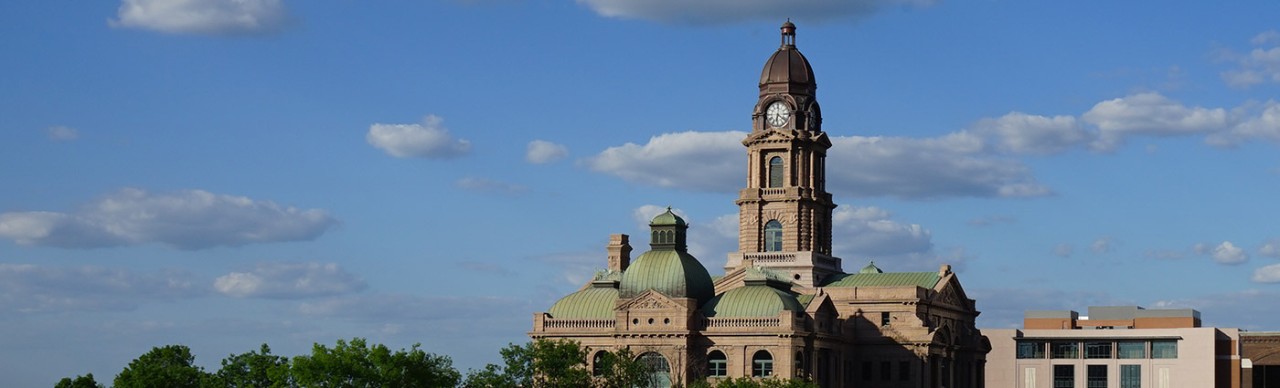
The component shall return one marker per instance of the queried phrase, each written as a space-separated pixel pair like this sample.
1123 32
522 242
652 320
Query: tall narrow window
717 364
775 172
597 363
1097 376
762 364
1064 376
884 318
1131 376
773 236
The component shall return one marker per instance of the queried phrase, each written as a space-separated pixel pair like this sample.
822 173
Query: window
773 236
775 172
659 370
761 364
886 370
904 370
1164 349
597 363
884 318
1064 376
1031 349
1065 350
866 371
1097 376
1097 349
717 364
1131 376
1131 349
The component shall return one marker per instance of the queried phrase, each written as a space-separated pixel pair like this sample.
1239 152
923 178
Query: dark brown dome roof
787 65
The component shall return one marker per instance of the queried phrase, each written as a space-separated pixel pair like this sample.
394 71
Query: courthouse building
785 306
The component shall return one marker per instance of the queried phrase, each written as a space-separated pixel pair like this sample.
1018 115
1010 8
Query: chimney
619 252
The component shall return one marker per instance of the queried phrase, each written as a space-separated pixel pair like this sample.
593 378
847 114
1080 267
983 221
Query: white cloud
728 11
1264 125
1271 248
1226 252
1267 274
1101 245
427 140
1150 114
1022 133
1260 65
871 232
204 17
699 161
191 219
62 133
490 186
542 152
26 288
953 165
289 281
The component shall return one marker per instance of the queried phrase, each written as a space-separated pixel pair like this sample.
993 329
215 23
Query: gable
650 300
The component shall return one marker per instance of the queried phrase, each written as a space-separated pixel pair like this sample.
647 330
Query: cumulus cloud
1257 121
289 281
490 186
699 161
1022 133
728 11
1270 248
190 219
1150 114
1260 65
430 139
543 152
202 17
1267 274
27 289
871 232
954 165
1224 253
62 133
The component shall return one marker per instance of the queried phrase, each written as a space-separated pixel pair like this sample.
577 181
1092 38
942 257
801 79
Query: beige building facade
1114 347
785 307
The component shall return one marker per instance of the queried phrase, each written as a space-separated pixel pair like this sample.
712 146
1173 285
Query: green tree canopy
258 369
85 381
355 364
168 366
558 363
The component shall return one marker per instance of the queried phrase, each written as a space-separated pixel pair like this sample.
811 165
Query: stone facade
784 307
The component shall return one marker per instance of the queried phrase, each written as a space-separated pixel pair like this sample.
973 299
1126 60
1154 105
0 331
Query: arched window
717 364
773 236
800 364
659 370
762 364
597 363
775 172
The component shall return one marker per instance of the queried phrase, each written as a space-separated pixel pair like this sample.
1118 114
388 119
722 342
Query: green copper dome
667 219
752 301
675 274
590 303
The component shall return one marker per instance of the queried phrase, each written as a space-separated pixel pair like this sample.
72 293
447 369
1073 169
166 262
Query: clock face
777 114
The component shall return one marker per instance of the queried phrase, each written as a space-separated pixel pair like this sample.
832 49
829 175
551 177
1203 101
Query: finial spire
788 34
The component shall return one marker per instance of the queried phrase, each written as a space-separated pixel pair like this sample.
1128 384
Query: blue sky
224 173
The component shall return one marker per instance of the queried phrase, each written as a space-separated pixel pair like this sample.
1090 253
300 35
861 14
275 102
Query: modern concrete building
1114 347
785 307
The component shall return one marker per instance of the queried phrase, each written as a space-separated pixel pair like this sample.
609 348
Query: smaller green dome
751 301
667 218
590 303
871 268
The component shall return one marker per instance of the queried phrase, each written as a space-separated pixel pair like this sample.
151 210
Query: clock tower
784 216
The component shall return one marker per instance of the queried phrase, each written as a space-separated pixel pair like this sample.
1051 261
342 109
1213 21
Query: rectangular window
904 370
1070 350
1131 349
1164 349
886 371
1064 376
884 318
1097 349
718 368
1031 349
1131 376
1097 376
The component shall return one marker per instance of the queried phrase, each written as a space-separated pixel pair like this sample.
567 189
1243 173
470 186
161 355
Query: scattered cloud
992 220
954 165
429 139
1256 121
1022 133
28 289
1258 66
543 152
1102 245
1224 253
1270 248
202 17
289 281
730 11
872 233
490 186
1149 114
190 219
698 161
1267 274
62 133
576 268
1063 250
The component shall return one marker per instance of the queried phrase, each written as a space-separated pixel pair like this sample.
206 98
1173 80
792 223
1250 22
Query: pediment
650 300
768 136
949 292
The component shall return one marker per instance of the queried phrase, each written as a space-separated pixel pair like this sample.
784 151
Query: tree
558 363
356 364
254 369
167 366
747 382
620 369
85 381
